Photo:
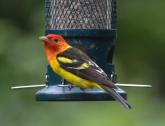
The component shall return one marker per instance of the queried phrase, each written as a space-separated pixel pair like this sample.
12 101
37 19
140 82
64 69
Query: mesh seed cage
80 14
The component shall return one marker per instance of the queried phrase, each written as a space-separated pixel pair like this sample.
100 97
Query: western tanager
77 68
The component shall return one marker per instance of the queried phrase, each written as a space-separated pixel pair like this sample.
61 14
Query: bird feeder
89 25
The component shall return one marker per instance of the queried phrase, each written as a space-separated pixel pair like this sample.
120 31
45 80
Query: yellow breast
71 77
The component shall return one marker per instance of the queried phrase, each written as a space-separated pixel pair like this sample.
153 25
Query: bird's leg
64 84
82 89
70 86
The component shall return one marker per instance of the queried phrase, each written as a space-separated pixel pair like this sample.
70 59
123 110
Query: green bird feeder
90 25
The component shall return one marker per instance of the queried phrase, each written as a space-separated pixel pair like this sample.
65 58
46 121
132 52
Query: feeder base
56 93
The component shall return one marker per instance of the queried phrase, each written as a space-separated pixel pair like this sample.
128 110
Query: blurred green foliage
139 58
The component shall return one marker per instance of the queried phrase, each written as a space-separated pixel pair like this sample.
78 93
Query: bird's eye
55 40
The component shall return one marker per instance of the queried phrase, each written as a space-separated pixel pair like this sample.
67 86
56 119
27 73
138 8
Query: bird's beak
44 38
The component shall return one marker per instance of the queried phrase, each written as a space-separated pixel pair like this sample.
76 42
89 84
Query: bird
75 66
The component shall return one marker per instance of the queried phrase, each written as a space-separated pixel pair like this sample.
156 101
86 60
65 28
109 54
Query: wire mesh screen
80 14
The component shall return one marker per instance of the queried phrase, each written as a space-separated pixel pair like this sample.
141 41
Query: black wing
77 62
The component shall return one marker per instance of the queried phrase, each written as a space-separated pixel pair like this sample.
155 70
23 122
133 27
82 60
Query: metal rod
61 85
133 85
28 86
120 85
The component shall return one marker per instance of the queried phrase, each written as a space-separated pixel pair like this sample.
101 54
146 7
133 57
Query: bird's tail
116 96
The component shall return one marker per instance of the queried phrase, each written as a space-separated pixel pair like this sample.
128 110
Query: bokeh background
139 58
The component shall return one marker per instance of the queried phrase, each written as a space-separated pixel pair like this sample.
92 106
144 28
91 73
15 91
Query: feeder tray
56 93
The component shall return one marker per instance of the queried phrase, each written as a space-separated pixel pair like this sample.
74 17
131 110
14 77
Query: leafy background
139 58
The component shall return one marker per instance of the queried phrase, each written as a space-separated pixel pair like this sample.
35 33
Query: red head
54 44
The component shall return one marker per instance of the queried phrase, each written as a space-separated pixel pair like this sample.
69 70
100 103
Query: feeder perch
90 25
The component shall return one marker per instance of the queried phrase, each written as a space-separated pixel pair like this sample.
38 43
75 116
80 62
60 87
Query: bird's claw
83 89
70 86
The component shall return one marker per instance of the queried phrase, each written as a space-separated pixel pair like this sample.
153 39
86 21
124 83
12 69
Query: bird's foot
82 89
70 86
